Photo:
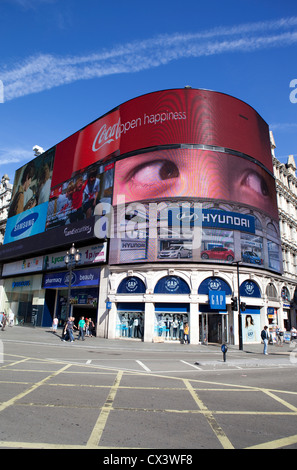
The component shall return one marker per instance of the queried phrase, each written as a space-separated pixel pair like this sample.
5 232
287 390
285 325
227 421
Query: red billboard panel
63 165
170 117
96 141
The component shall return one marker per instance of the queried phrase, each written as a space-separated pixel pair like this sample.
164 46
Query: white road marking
192 365
144 366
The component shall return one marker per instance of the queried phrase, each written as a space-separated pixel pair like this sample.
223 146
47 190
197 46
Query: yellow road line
12 401
45 445
98 429
278 443
14 363
280 400
218 431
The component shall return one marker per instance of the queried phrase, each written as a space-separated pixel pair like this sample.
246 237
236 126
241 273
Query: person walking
11 318
55 325
69 329
81 328
265 338
4 319
186 334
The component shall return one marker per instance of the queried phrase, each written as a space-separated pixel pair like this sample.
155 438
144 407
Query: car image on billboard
219 253
251 257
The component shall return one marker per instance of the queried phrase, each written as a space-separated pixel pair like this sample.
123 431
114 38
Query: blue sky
64 63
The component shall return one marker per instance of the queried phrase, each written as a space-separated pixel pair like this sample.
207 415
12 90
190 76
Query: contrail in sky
45 71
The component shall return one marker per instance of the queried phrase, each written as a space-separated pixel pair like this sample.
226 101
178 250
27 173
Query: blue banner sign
217 299
228 220
26 223
171 285
79 278
214 284
131 285
212 218
250 289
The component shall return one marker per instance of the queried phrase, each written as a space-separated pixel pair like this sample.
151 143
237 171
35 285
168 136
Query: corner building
171 200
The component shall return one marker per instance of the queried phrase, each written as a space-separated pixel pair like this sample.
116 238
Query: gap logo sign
26 224
217 299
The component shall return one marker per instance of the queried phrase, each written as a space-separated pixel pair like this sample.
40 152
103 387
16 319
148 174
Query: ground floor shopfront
38 298
156 305
153 305
164 322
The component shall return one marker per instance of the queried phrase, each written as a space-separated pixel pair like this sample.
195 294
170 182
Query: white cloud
29 3
45 71
14 155
283 126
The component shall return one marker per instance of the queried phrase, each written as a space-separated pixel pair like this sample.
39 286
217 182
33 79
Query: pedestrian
55 325
81 328
64 332
11 318
293 333
265 338
1 318
69 330
91 328
4 319
277 332
186 333
88 327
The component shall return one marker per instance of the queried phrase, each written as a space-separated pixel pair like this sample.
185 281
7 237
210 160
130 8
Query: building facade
172 202
286 188
5 197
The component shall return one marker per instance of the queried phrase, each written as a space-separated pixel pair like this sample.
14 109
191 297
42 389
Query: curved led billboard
207 151
170 117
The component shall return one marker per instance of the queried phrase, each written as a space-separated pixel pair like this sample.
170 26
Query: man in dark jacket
265 338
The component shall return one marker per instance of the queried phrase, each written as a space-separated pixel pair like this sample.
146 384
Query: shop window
21 305
170 327
130 325
271 291
285 294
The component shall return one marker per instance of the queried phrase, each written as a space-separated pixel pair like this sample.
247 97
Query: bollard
224 350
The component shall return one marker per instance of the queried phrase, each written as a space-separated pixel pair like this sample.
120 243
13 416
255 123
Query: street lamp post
71 259
239 310
239 307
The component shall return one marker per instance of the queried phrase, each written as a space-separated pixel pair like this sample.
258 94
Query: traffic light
242 306
234 303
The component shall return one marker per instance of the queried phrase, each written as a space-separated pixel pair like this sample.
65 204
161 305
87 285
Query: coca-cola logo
106 135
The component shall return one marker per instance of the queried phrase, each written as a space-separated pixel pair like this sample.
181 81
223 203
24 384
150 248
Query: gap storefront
162 314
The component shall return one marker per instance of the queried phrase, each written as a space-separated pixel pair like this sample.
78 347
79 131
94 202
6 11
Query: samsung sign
30 222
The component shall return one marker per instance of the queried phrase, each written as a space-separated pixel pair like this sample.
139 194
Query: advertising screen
77 198
229 198
169 117
30 196
182 145
195 173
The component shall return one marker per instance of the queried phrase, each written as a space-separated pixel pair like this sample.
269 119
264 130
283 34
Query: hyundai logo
187 216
